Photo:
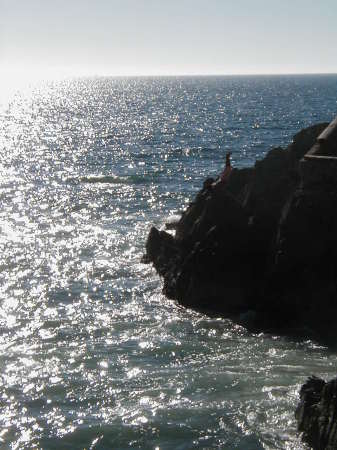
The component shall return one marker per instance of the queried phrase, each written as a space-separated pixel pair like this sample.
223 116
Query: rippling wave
92 355
133 179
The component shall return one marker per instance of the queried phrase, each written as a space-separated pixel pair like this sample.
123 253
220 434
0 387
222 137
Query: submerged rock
263 242
316 413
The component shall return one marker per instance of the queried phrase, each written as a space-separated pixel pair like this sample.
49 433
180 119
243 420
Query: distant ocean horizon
92 354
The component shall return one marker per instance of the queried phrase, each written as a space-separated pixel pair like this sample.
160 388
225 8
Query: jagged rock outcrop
316 413
261 245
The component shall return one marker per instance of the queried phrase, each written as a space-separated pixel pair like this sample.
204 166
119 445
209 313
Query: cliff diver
228 168
226 172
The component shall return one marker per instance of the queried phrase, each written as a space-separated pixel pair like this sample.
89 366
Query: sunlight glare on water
92 355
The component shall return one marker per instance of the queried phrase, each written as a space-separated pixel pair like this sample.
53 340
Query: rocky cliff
260 247
316 413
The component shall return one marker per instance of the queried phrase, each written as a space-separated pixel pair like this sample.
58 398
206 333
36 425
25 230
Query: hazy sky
169 36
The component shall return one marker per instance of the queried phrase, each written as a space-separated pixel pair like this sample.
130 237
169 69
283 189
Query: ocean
92 355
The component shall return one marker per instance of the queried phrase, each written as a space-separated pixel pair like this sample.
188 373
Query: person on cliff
226 172
228 168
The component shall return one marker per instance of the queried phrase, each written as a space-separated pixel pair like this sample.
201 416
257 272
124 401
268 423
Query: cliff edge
260 247
316 413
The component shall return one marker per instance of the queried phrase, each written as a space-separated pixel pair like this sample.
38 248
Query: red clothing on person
225 174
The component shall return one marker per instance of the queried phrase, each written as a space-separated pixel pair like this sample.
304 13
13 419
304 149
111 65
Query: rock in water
264 242
316 413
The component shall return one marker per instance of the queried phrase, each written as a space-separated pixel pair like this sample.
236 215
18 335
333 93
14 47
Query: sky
168 37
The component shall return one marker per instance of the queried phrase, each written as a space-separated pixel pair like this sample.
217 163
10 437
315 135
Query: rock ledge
261 247
316 413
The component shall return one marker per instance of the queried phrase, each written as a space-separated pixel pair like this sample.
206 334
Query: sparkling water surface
92 355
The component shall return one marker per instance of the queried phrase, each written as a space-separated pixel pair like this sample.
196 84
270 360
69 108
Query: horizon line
14 77
100 71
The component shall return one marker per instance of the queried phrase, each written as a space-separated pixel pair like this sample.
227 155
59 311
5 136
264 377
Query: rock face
262 245
317 413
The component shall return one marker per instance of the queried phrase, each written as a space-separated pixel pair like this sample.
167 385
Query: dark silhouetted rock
316 413
261 245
